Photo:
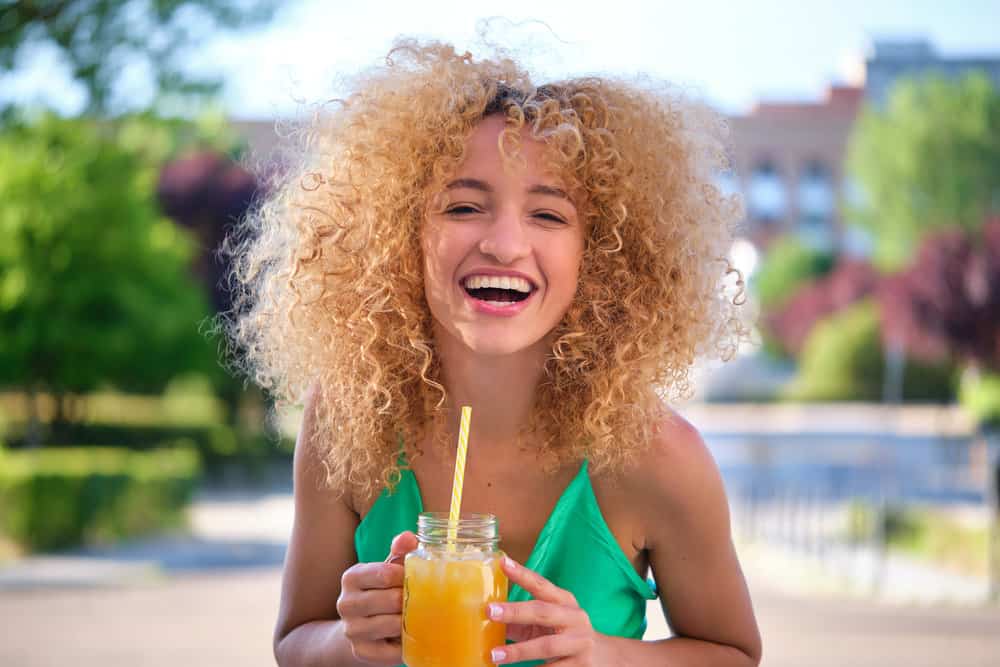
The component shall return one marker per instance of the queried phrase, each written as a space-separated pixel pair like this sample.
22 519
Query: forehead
483 148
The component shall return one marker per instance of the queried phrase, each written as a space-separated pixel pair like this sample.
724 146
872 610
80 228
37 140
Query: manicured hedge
217 445
55 498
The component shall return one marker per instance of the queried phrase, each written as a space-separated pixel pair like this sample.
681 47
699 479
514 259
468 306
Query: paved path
223 619
210 599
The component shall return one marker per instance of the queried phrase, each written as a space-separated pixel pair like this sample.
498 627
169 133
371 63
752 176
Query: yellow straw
456 485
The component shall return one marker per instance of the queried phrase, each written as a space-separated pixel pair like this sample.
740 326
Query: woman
550 256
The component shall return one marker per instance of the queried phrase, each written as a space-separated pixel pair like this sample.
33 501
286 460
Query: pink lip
500 311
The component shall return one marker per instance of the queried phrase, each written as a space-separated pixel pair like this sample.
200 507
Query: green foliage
931 159
99 38
980 395
842 358
217 445
843 361
925 533
787 266
60 498
94 282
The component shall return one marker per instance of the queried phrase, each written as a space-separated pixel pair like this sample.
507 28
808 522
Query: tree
207 192
99 38
946 305
931 159
95 285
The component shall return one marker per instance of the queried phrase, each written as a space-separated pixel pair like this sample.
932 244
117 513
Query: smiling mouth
497 295
497 291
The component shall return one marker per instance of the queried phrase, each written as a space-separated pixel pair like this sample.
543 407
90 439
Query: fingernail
509 562
498 655
495 611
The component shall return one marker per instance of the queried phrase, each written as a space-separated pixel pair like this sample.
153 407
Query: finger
539 587
548 647
381 652
364 576
535 612
371 602
402 544
373 628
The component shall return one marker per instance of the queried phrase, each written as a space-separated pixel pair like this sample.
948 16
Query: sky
729 53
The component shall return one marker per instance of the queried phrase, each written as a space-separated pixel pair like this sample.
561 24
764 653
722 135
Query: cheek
435 253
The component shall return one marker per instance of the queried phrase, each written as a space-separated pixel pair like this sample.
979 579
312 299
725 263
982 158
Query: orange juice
445 592
444 612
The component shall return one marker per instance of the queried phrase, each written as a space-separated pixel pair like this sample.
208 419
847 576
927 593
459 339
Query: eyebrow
476 184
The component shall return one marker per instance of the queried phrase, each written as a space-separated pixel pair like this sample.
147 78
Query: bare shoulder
675 459
676 479
310 471
684 518
321 545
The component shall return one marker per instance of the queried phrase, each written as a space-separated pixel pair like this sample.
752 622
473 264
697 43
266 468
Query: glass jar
446 587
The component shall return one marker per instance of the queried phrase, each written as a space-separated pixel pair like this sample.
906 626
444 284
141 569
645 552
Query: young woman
552 256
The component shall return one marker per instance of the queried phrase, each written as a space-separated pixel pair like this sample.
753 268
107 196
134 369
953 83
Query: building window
768 199
816 200
816 206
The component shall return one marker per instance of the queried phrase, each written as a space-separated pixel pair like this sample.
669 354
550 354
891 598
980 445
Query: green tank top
575 550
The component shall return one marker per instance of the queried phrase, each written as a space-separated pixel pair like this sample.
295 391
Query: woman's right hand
371 605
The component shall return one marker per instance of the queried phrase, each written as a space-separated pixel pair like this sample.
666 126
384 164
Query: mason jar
447 583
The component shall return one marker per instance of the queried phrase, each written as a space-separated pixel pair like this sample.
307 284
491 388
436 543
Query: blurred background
145 492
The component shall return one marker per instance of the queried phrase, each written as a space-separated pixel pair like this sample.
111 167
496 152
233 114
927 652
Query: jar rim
435 528
443 519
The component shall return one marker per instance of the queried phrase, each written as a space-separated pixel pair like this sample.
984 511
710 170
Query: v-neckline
547 527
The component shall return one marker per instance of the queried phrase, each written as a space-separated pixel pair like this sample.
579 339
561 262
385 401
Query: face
502 249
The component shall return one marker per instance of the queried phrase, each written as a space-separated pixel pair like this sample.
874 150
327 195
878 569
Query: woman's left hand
550 627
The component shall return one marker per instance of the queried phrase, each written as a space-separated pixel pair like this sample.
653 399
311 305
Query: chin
497 346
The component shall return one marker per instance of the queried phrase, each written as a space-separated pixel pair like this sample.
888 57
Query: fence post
881 541
993 513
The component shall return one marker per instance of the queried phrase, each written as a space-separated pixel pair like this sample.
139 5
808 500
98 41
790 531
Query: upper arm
321 547
690 544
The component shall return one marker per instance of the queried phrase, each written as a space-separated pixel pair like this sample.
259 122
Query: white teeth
501 304
498 282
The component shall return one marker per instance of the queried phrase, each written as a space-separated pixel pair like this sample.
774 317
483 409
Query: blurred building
889 61
788 156
788 164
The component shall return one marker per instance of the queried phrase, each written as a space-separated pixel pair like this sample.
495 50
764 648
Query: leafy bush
850 282
59 498
217 445
981 397
788 265
842 360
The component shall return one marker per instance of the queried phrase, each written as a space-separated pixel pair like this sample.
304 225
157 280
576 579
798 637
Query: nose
506 239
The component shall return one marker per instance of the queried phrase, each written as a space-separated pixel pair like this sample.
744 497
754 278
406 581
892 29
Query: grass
928 533
939 537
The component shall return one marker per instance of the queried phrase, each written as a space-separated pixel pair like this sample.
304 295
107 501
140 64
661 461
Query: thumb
402 544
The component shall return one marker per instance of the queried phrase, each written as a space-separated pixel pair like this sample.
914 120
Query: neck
500 389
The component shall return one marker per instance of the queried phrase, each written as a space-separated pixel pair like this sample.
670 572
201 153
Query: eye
461 209
550 217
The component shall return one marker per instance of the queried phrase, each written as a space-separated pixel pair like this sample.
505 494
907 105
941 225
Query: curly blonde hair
328 271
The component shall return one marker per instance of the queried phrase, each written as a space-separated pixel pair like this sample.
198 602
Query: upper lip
501 273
